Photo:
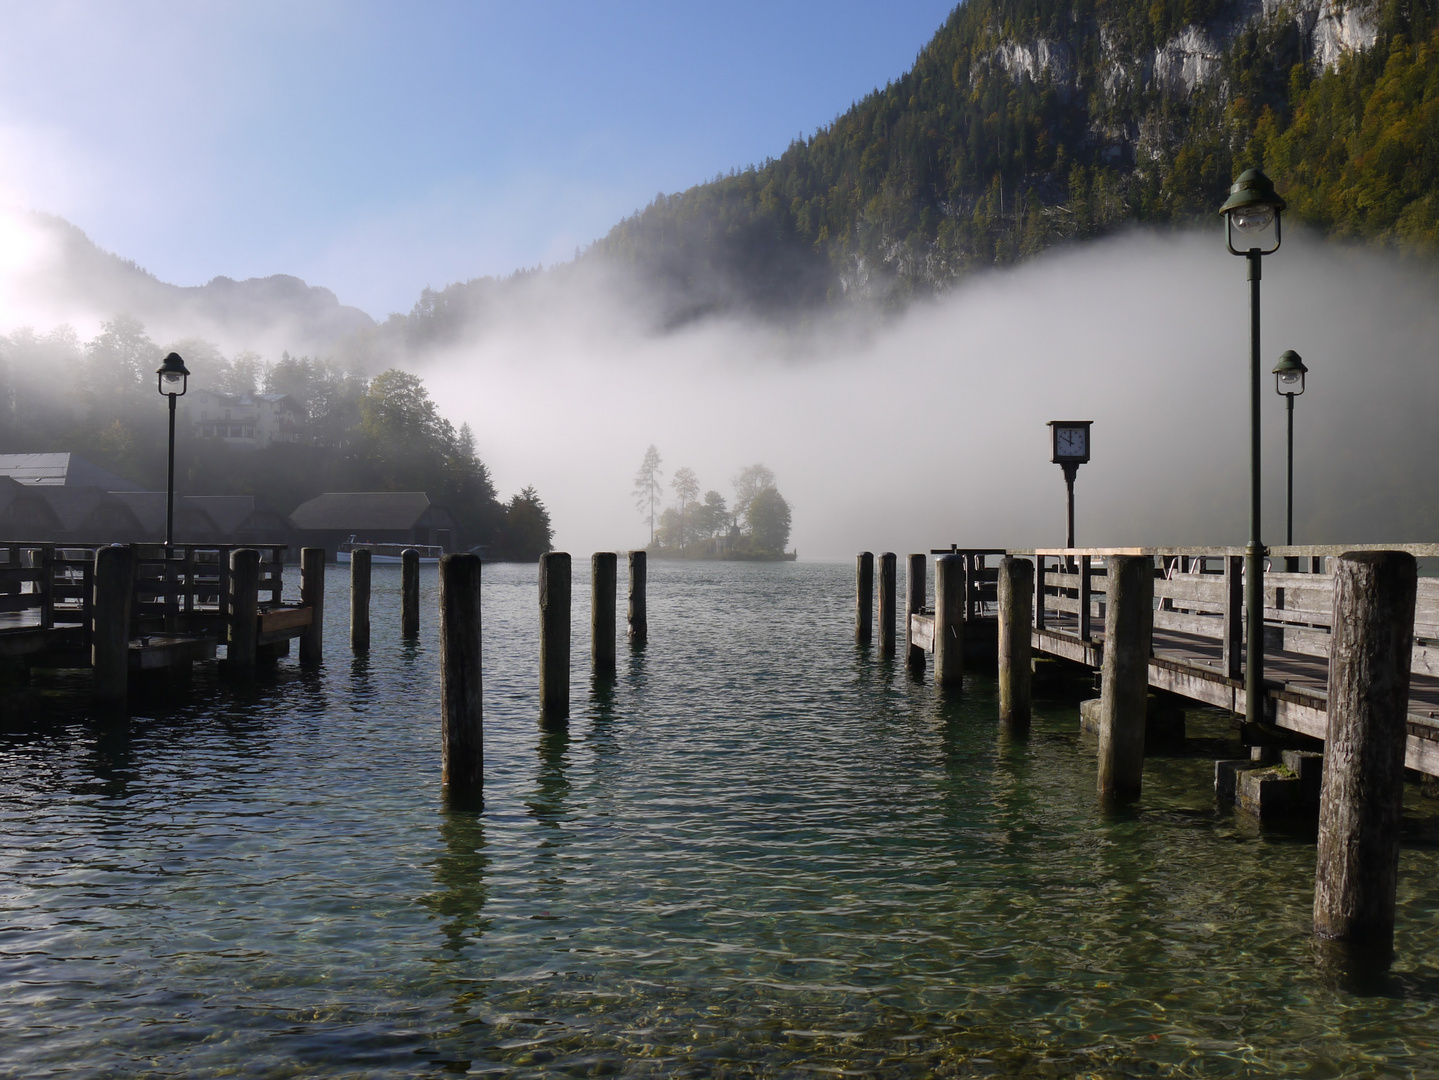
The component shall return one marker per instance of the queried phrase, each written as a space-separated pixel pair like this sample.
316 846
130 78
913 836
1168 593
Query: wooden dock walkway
1197 647
182 605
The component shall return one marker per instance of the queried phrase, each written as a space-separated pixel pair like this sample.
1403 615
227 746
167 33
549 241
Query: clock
1071 441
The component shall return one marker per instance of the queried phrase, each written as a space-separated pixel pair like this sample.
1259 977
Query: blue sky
378 148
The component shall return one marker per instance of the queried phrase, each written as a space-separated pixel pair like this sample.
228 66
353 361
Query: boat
388 553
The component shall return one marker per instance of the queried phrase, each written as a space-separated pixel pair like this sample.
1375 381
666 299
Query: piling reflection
552 783
460 888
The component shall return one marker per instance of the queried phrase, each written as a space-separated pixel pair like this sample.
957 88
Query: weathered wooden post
1016 597
886 603
949 620
410 593
1362 793
604 572
864 598
462 712
360 600
1039 570
312 596
639 627
554 636
244 609
1234 617
1124 697
110 643
914 581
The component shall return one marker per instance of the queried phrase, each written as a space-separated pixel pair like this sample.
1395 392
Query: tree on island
648 488
767 517
748 483
757 527
687 487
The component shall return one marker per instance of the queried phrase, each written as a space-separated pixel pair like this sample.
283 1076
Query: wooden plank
291 618
1194 588
154 653
1067 646
1208 626
921 629
21 602
1206 685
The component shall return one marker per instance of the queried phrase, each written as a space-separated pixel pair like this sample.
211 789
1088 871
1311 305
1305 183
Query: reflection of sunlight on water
760 849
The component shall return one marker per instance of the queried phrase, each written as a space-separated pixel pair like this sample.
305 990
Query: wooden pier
170 608
1198 630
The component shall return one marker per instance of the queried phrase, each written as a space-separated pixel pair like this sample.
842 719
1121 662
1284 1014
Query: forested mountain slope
1025 123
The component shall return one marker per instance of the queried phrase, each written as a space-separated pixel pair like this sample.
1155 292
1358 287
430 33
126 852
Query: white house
248 421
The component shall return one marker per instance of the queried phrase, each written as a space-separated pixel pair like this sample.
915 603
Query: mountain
1028 123
70 278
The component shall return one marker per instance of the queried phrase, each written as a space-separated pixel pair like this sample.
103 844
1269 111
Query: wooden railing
981 578
46 584
50 585
1200 592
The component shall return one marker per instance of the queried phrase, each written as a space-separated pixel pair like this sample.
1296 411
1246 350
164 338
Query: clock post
1070 444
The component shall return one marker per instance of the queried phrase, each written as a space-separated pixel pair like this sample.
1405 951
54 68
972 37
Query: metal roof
70 470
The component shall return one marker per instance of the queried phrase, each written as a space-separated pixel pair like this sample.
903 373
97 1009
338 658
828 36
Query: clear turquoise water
760 853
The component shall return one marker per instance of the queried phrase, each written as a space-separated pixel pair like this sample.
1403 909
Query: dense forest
99 399
1029 123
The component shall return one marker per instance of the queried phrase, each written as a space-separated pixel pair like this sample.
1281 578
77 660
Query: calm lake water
761 852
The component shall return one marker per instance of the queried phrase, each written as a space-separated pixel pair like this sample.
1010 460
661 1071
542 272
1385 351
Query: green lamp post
1289 384
173 378
1252 230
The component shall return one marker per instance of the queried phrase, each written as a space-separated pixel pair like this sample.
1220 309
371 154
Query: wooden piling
914 582
410 593
1016 599
243 608
110 643
639 627
604 572
949 620
360 600
864 598
1362 793
312 596
886 603
554 636
462 714
1128 635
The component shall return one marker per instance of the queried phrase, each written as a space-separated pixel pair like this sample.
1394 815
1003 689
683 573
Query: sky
377 148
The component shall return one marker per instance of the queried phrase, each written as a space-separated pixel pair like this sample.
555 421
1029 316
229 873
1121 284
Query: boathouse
23 512
89 515
375 517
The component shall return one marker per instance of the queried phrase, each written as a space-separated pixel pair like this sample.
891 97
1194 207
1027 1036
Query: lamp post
173 380
1289 383
1252 217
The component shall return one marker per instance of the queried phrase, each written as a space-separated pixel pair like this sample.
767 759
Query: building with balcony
245 421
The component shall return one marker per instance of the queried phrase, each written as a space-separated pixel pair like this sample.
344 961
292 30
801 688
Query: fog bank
929 428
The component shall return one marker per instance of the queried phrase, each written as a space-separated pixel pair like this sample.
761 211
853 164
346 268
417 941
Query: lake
760 852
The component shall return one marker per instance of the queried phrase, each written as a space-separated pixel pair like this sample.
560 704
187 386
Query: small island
755 527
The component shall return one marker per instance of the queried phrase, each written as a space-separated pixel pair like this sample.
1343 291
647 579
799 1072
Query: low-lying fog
930 429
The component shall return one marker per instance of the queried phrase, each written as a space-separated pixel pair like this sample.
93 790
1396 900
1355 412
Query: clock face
1071 442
